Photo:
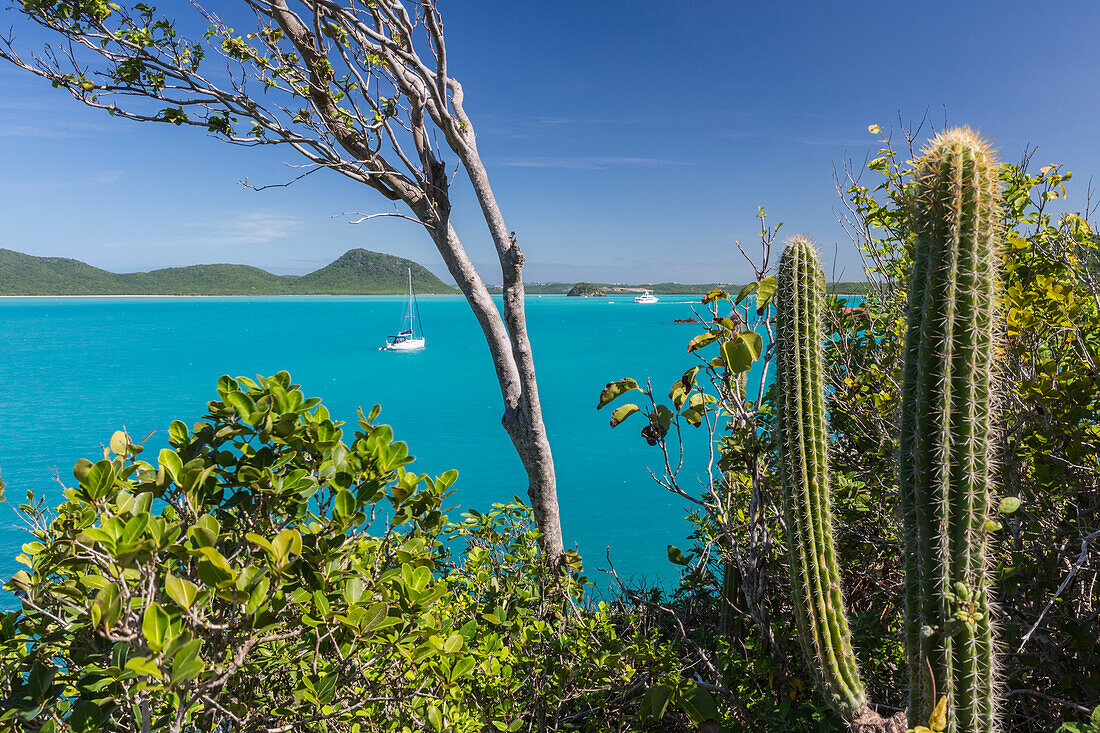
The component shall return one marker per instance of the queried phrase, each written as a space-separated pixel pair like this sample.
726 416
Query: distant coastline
356 272
590 289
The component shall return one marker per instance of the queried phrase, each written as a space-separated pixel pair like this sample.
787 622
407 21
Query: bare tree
361 87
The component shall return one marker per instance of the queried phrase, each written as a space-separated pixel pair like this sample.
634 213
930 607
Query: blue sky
627 141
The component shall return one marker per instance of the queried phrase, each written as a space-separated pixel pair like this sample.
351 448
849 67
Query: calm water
74 370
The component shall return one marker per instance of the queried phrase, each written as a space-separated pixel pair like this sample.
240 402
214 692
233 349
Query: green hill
356 272
586 290
360 268
22 274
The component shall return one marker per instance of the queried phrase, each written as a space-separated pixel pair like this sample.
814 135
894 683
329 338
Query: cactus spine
804 472
944 460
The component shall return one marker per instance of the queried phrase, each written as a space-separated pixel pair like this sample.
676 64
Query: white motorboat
411 337
646 297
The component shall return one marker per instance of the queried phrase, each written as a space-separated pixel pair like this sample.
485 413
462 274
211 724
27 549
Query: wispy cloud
251 228
522 128
26 112
581 162
822 141
50 130
52 117
98 179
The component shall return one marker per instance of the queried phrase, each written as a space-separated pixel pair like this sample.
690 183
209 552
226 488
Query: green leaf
107 606
81 469
155 626
694 416
454 643
688 380
716 294
755 343
182 591
623 412
676 557
186 664
288 542
435 718
241 404
373 617
701 340
574 561
101 479
261 542
938 720
120 443
177 433
462 666
699 705
1009 504
765 293
614 390
418 580
171 463
661 418
134 527
658 697
214 569
737 355
344 504
143 665
746 292
678 394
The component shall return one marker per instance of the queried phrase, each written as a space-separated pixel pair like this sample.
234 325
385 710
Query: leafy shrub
263 574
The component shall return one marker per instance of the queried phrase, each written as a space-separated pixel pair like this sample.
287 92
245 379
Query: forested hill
356 272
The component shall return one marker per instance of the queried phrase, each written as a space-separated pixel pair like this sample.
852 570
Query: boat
407 338
646 297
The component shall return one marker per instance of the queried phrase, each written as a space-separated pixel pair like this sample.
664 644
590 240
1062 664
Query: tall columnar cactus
804 472
945 456
944 451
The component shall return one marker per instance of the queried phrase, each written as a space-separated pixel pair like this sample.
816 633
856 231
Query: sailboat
407 338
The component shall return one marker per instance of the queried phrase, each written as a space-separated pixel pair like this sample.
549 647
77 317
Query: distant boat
645 298
407 338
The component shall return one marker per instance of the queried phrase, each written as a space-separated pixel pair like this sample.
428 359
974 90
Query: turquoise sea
74 370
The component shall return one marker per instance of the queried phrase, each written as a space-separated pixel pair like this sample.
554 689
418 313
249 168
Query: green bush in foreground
262 574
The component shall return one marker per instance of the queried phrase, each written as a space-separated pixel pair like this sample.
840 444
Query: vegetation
586 290
263 574
1043 530
356 272
944 451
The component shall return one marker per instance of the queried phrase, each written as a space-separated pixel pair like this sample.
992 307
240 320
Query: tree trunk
515 371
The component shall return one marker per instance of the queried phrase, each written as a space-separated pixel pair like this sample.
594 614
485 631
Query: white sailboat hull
406 345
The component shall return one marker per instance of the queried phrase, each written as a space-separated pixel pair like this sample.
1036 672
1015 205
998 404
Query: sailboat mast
412 304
